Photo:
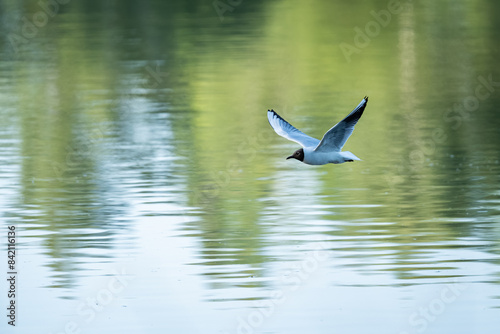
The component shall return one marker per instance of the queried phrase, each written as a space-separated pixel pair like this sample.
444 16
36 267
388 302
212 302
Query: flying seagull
328 150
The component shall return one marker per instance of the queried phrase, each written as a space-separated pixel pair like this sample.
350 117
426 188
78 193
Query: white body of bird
329 149
321 158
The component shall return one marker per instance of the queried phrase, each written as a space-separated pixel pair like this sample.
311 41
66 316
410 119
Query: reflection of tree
72 82
87 70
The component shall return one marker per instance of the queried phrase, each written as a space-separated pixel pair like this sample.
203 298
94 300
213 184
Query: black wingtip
366 98
278 116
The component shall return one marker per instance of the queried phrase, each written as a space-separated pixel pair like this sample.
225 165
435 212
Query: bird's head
299 155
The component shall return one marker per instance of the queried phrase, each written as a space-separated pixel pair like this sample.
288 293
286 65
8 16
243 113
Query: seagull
329 149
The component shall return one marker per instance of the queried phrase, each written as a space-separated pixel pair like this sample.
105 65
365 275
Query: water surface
150 194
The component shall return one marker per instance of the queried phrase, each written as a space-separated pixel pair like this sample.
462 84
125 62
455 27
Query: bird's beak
289 157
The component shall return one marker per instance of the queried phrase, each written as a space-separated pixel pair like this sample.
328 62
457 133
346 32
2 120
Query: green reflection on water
83 94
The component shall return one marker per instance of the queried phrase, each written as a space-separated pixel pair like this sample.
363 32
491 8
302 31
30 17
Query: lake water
150 195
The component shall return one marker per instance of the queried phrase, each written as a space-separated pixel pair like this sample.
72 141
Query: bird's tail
348 156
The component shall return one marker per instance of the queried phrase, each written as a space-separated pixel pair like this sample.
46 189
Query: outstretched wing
335 138
288 131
